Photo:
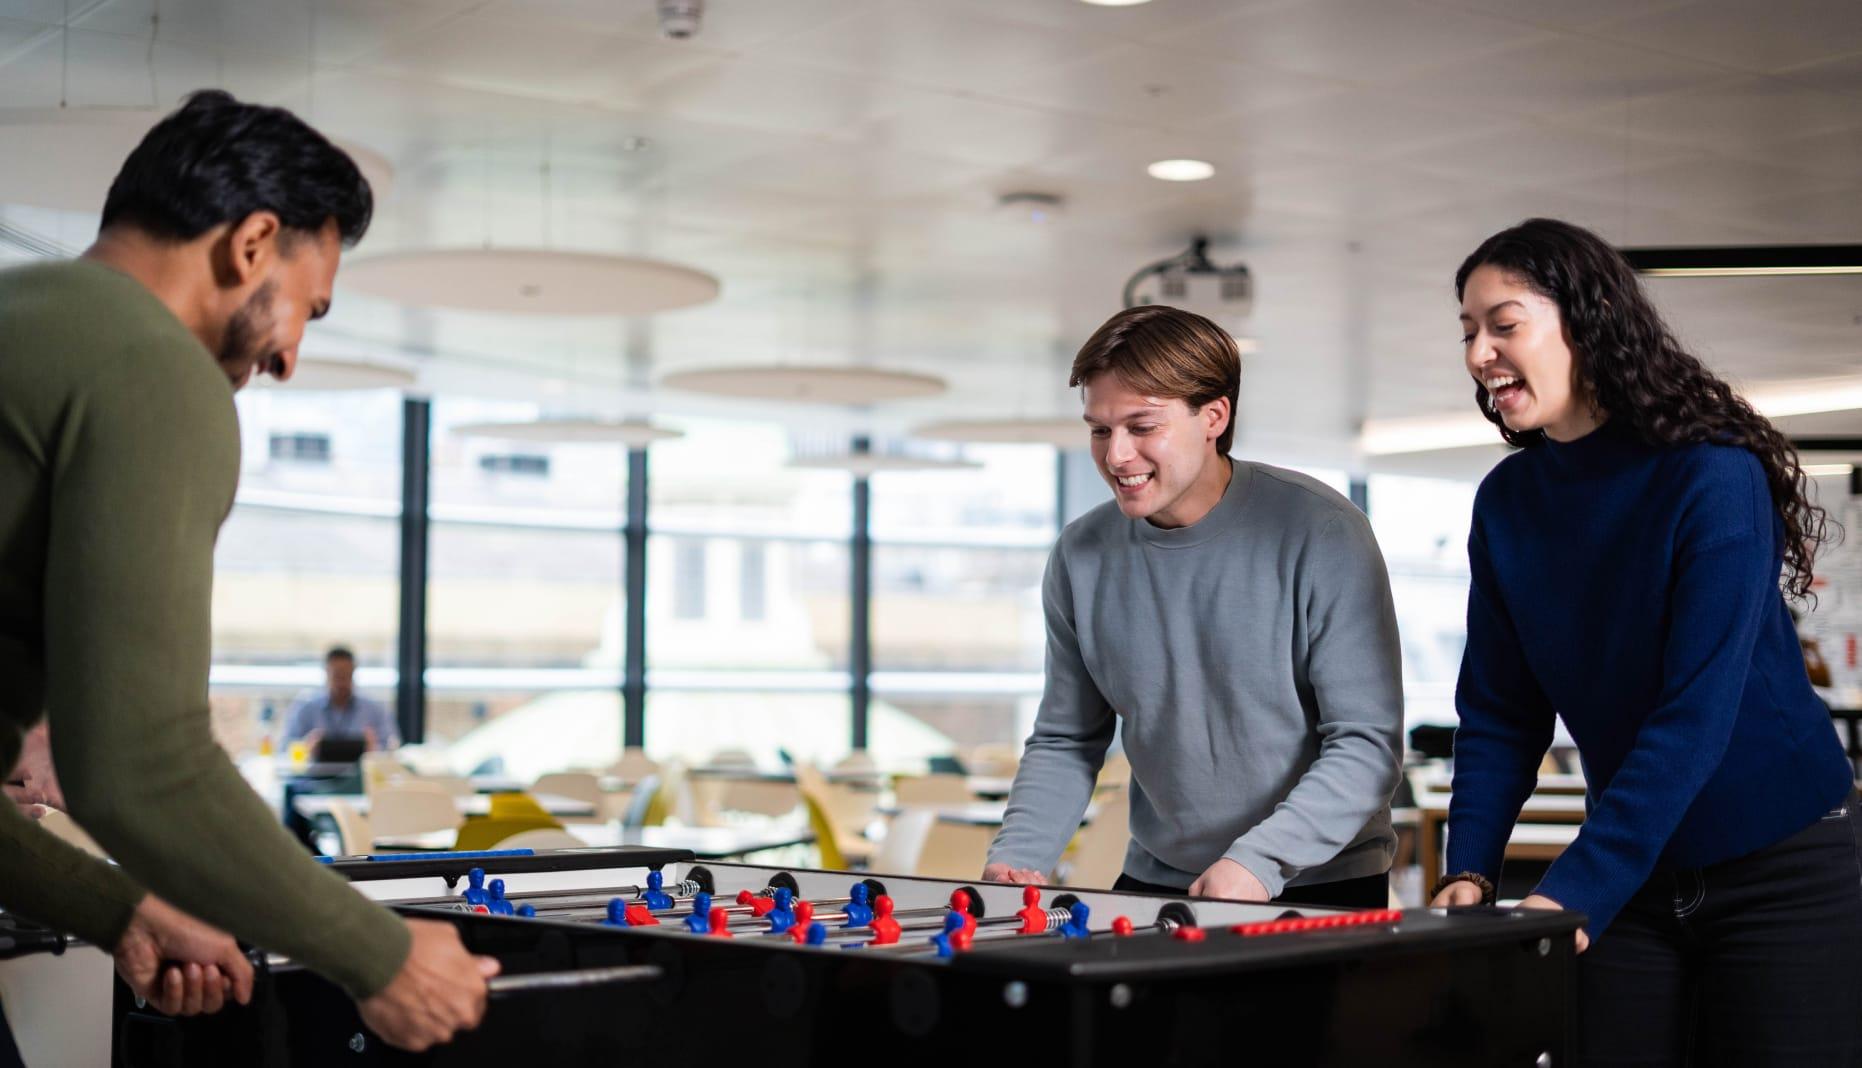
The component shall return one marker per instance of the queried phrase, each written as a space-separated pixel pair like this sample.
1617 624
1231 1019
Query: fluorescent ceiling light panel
1745 261
1429 433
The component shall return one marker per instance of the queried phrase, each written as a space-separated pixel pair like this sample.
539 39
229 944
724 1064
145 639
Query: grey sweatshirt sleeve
1354 667
1068 747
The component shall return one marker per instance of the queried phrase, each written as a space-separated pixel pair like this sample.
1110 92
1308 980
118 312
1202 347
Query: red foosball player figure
885 929
1034 918
804 916
720 924
960 903
758 904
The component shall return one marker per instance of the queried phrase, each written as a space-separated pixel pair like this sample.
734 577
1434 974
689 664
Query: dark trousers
1367 892
1753 961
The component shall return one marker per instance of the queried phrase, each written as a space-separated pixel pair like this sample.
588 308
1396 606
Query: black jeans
1753 961
1367 892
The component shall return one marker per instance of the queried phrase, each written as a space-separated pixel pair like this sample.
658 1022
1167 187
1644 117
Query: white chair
859 760
455 785
634 765
412 807
904 843
578 785
353 832
542 838
379 769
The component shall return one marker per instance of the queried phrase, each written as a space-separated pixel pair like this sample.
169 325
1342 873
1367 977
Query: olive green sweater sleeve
143 466
61 886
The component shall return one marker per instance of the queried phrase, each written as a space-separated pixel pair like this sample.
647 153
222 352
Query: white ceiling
835 163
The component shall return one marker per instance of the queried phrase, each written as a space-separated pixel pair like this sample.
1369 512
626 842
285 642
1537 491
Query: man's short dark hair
339 652
217 161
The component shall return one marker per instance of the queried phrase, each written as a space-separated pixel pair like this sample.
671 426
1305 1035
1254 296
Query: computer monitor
340 750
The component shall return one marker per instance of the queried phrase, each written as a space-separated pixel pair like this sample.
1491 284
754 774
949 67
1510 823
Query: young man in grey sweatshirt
1237 618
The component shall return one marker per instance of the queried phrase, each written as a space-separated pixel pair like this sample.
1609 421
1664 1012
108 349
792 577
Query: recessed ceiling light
1181 170
1115 3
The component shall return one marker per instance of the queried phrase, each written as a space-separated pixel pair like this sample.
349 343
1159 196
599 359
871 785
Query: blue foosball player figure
859 910
699 922
655 895
1076 925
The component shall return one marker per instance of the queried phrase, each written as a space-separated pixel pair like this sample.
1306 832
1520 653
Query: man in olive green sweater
119 458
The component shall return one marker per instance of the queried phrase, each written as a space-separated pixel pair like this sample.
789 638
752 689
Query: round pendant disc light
529 281
808 385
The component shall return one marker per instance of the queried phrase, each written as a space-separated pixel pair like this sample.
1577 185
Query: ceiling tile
1837 75
1541 153
726 24
986 131
1355 124
1737 116
1553 74
1738 34
769 95
1707 185
1352 40
1564 15
88 69
44 12
1139 83
954 49
537 58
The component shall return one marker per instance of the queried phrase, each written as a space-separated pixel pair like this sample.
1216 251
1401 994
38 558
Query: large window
525 605
748 572
309 557
1422 528
957 625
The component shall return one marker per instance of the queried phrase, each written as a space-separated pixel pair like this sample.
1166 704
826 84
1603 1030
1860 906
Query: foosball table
641 956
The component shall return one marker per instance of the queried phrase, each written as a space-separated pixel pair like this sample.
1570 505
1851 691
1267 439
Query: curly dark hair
1630 364
217 160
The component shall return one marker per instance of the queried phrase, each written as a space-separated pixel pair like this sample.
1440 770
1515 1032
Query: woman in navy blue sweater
1626 568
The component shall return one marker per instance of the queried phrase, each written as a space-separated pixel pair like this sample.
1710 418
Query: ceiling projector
1191 281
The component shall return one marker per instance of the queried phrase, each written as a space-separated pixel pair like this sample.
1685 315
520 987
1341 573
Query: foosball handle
505 985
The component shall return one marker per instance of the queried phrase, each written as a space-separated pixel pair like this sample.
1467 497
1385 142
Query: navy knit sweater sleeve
1634 591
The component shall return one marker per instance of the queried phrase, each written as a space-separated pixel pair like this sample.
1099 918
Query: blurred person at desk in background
338 711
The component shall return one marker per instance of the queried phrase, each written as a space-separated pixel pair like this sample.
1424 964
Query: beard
242 348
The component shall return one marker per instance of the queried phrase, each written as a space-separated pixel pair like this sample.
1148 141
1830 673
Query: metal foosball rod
475 884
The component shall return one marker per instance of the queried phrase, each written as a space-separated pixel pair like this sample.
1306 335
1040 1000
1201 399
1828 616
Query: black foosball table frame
1198 981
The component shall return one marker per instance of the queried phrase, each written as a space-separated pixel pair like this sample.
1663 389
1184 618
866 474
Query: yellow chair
831 856
489 831
517 805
